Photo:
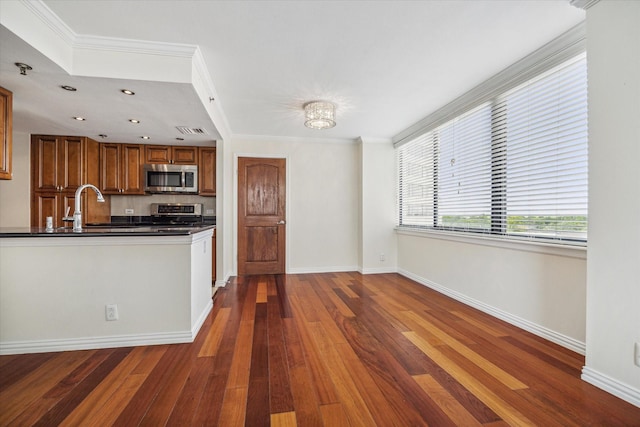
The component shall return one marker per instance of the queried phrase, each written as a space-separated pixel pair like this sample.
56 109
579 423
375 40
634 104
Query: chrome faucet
77 215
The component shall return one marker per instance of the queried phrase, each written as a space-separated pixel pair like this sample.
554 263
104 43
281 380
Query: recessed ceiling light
23 68
128 92
102 135
180 139
145 137
80 119
134 121
69 88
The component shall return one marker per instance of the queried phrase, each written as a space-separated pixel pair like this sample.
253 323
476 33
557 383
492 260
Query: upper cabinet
57 162
59 165
207 171
6 111
121 168
169 154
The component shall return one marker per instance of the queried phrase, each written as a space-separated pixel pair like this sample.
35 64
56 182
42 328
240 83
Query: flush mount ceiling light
319 114
23 68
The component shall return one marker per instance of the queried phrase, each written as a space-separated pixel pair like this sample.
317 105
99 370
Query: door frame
287 264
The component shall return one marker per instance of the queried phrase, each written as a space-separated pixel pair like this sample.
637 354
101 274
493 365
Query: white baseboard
610 385
378 270
113 341
534 328
307 270
200 321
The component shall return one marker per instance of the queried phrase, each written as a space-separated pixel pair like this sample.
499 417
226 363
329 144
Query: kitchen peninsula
55 287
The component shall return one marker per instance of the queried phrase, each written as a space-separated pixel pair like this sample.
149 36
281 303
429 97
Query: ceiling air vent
192 131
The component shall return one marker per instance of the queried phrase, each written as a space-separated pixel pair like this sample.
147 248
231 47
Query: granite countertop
103 231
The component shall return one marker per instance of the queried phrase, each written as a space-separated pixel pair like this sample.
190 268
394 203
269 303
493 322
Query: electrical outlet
128 211
636 354
382 257
111 311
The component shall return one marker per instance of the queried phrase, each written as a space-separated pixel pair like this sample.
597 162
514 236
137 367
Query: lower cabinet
53 205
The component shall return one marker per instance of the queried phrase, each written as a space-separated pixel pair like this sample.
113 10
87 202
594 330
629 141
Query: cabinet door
184 155
207 171
70 163
131 169
44 205
6 132
157 154
68 201
110 168
44 163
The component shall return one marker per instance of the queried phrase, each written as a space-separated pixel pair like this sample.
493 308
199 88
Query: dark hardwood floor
335 349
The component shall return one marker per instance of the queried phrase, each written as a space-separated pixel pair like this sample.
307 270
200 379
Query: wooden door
261 216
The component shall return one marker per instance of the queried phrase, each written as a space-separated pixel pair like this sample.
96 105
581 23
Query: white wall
15 193
541 289
322 200
377 206
613 269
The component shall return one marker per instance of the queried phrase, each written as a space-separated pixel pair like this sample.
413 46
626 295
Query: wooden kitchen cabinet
59 165
58 162
6 133
207 171
121 168
171 154
53 205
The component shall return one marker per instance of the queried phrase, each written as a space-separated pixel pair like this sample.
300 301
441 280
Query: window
513 166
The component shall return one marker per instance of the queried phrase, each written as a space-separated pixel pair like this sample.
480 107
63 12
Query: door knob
281 222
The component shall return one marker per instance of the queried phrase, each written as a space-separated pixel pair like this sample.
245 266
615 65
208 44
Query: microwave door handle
184 179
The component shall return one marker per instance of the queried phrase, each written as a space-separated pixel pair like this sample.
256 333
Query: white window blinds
516 165
416 164
464 171
546 145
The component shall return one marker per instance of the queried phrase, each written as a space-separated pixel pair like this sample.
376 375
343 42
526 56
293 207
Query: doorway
261 216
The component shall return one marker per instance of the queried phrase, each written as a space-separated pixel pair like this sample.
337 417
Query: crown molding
51 20
583 4
81 54
569 44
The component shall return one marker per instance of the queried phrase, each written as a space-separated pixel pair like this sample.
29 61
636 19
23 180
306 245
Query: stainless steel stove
181 214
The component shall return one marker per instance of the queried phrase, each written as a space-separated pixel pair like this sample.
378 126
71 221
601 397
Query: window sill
571 250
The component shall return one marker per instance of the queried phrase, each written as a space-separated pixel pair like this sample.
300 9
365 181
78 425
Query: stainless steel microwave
170 178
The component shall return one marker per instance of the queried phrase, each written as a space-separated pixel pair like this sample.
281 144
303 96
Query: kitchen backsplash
122 205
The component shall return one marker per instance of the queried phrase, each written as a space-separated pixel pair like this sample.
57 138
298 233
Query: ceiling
385 64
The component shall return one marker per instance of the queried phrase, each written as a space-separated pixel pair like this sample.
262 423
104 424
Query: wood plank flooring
334 349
